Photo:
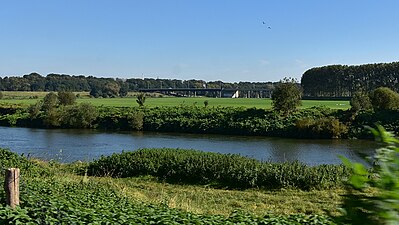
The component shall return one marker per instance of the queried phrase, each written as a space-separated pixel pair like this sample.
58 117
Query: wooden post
11 186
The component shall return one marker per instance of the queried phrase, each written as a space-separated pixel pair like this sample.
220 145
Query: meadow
27 98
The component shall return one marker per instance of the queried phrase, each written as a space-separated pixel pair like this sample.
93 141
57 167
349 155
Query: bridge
213 92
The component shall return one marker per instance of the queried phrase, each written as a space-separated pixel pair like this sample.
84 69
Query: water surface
67 145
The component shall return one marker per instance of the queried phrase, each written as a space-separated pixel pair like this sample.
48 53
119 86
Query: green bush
34 110
326 127
384 98
78 116
136 120
10 159
66 98
234 171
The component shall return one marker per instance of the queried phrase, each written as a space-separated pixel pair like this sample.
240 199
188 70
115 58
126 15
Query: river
68 145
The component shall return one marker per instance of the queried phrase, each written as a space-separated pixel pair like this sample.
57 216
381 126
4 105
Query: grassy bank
53 193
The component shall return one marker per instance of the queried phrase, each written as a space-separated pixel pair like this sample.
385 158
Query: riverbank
55 192
306 123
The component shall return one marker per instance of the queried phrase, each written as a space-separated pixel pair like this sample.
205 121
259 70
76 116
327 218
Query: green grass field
23 98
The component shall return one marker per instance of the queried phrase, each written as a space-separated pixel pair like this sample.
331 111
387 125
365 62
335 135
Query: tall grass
231 171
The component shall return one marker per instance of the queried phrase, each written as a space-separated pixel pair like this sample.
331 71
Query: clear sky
202 39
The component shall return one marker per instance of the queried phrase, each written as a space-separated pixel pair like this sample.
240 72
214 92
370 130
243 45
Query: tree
360 101
111 89
66 98
384 98
50 101
286 96
124 90
95 92
140 99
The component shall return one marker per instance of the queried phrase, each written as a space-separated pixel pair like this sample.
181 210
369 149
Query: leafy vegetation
360 101
141 99
384 98
233 171
50 194
52 202
66 98
325 127
358 206
317 122
286 96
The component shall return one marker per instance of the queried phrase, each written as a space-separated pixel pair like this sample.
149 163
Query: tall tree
286 96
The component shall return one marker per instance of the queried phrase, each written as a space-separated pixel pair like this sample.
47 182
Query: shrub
66 98
136 120
52 117
384 98
10 159
78 116
233 171
34 109
325 127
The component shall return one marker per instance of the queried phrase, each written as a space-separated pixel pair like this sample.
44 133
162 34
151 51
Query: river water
68 145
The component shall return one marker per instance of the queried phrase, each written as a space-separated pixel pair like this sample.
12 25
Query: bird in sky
269 27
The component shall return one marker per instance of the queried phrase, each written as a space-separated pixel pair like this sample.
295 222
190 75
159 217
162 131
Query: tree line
344 81
112 87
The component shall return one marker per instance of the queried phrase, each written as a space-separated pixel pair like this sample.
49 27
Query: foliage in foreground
233 171
49 202
48 198
361 208
9 159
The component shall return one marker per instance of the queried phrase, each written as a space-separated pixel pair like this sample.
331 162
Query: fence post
11 187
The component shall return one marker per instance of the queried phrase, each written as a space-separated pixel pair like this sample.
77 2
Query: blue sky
186 39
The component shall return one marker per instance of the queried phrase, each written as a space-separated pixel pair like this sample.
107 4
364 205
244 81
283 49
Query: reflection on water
71 145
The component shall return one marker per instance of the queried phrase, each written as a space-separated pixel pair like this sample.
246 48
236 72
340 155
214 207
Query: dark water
84 145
